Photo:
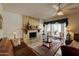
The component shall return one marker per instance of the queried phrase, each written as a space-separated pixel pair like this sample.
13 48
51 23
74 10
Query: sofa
71 49
8 49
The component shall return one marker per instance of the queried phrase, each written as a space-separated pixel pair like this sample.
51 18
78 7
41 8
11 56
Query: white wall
74 22
12 23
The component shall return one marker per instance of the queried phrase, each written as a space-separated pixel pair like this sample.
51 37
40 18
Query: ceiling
40 10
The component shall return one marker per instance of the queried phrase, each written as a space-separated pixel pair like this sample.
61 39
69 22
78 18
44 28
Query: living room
39 27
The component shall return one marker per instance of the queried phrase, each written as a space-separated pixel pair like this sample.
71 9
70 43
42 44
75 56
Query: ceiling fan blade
65 5
70 9
70 6
55 7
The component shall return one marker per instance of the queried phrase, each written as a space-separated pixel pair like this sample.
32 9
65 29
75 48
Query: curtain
48 26
65 20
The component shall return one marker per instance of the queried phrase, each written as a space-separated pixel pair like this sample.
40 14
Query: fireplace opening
32 35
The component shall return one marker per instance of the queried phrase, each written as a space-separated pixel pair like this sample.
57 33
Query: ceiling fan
58 9
60 12
63 7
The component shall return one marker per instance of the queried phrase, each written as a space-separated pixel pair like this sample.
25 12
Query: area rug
44 51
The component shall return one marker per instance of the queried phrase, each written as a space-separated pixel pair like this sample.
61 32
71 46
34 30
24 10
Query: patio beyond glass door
56 29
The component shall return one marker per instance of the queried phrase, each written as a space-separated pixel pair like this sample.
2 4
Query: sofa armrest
6 48
69 51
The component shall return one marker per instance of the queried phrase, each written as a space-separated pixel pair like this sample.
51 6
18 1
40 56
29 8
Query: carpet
23 50
44 51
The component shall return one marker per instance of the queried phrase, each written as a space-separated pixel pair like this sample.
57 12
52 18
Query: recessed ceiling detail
39 10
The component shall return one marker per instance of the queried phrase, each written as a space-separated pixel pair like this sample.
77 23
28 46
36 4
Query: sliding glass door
55 30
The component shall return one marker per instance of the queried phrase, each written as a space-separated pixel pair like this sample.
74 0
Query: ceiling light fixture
59 12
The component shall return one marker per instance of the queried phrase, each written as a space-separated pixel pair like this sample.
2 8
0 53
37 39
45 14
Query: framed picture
1 21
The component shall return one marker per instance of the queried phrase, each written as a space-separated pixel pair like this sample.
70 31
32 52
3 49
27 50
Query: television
32 34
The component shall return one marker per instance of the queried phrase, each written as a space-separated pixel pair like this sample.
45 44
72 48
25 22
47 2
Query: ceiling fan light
60 13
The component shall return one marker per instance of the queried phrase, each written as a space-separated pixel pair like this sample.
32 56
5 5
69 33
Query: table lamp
14 34
68 34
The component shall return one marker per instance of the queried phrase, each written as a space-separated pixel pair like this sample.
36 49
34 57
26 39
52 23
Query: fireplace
32 34
32 37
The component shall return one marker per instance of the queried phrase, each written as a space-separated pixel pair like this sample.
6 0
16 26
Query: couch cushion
74 44
76 37
69 51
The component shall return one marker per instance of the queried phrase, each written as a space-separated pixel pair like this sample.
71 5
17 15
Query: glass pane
56 29
48 28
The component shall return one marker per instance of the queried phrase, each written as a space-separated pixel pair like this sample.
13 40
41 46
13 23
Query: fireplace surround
32 34
32 37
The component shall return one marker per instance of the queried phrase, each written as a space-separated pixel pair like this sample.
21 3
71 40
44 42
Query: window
48 28
56 29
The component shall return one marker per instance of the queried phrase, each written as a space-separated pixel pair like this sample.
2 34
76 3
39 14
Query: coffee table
47 44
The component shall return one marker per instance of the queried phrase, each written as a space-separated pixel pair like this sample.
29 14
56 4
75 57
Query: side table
67 42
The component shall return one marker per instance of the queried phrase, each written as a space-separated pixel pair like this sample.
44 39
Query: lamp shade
60 13
14 33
